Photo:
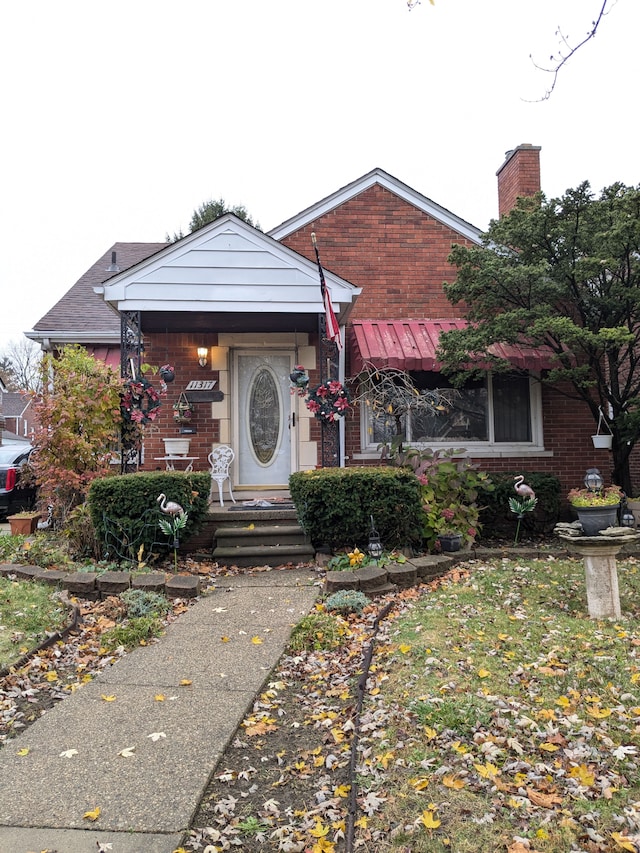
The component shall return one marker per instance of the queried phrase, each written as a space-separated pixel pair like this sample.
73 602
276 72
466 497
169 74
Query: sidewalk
146 800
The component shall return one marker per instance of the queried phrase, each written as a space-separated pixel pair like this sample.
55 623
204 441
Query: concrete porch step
276 534
263 555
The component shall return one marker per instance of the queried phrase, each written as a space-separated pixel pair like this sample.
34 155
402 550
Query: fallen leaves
93 815
545 801
68 753
428 820
58 670
490 723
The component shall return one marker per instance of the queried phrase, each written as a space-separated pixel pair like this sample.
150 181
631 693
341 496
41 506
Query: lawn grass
28 613
513 718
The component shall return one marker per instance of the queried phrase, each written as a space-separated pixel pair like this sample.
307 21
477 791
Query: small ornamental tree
79 417
563 274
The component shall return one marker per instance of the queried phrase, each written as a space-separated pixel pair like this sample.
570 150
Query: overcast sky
120 118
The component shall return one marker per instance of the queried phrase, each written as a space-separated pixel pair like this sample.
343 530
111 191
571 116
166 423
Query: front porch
261 529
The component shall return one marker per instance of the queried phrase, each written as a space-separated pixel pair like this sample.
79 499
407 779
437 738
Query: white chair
220 461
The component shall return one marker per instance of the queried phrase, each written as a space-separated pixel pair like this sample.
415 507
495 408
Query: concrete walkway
147 799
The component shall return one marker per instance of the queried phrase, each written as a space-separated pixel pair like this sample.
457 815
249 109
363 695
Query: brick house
251 301
18 414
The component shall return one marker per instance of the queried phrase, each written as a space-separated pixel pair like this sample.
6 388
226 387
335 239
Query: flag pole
332 327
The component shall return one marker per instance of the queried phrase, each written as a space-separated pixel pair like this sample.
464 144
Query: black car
14 495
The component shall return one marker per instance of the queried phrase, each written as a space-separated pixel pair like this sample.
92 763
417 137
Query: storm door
264 418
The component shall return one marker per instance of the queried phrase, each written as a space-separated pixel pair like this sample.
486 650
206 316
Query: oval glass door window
265 416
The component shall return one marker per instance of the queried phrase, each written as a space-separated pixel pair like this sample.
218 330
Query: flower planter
176 446
602 442
451 542
596 518
23 525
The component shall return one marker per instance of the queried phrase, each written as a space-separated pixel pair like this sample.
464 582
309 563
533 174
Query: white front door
263 418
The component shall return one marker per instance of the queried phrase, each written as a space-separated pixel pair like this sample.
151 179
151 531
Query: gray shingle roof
14 403
81 312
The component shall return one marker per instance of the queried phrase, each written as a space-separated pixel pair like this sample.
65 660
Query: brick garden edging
375 580
94 586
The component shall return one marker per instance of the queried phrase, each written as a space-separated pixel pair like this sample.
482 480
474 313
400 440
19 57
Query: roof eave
383 179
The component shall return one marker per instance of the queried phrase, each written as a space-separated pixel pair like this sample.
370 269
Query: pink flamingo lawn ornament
527 502
522 489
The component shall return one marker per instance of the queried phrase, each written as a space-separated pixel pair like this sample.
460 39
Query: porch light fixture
375 545
593 480
202 356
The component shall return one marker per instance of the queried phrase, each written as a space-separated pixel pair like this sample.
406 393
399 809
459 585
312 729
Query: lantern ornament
375 545
593 480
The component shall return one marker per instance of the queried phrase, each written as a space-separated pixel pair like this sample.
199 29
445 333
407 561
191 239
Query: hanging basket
602 441
182 410
167 373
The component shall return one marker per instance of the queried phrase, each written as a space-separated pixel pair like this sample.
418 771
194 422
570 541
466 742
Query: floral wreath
140 401
329 401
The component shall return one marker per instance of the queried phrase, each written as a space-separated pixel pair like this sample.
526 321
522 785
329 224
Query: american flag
332 327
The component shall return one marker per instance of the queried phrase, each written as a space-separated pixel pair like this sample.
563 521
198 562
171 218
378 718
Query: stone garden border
94 586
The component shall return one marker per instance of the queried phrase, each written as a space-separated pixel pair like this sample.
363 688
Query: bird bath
601 572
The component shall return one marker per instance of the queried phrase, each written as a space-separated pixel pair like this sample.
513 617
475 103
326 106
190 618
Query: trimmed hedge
129 503
335 505
497 518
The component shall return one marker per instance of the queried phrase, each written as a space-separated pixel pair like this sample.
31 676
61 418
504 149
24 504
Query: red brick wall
390 249
398 255
518 176
181 351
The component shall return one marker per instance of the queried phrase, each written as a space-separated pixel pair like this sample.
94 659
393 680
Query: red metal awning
412 345
110 356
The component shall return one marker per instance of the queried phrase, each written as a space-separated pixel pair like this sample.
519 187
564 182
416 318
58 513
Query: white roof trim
74 337
227 266
384 179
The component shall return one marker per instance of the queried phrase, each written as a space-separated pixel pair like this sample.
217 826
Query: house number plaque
201 385
202 391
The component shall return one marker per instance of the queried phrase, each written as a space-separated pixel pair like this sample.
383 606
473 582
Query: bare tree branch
20 365
566 51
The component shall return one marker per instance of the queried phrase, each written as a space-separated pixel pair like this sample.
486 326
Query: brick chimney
518 176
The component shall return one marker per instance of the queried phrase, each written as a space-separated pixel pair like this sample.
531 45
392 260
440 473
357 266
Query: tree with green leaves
211 210
79 417
563 273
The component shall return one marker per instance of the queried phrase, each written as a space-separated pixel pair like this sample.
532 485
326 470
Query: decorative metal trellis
123 541
131 349
330 432
131 346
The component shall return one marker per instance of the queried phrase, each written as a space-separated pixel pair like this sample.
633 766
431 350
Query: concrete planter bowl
596 518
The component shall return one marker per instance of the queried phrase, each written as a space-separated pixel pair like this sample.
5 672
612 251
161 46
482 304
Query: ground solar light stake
375 545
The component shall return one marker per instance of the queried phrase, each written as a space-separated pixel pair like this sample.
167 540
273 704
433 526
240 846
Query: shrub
125 512
452 491
499 521
347 601
79 422
80 534
139 602
335 506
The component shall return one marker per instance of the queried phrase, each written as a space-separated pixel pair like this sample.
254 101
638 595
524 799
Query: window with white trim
501 411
